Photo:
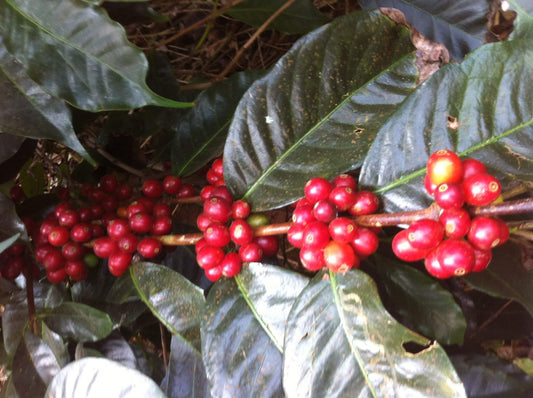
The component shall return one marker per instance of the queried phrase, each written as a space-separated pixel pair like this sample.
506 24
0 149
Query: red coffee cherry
141 223
364 243
218 209
136 207
295 235
402 248
481 189
212 177
425 234
12 268
58 236
316 189
251 252
444 166
241 232
162 225
450 194
366 202
343 197
240 209
504 231
269 245
152 188
53 260
161 210
41 251
108 183
231 264
340 257
472 167
96 195
56 276
17 195
325 211
117 228
312 258
203 221
128 243
342 229
434 267
456 222
119 262
61 207
110 204
209 257
218 167
456 256
68 218
482 259
222 192
72 251
303 215
345 180
124 191
186 190
430 187
484 233
149 247
75 269
316 234
171 185
217 234
213 274
104 247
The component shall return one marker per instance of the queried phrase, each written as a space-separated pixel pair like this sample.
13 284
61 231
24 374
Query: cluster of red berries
455 244
323 230
228 230
12 261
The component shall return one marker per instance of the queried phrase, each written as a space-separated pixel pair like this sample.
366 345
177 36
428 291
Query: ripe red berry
213 274
316 189
251 252
117 228
449 194
312 258
342 197
231 264
123 191
68 218
161 226
444 166
218 167
434 267
402 248
97 210
171 184
186 190
104 247
119 263
209 257
295 235
345 180
12 268
141 223
364 243
96 195
240 209
206 192
86 215
217 234
218 209
75 268
161 210
484 233
41 251
456 222
425 234
149 247
203 221
61 207
212 177
56 276
366 202
482 259
504 231
128 243
269 245
340 257
222 192
53 260
342 229
110 204
108 183
80 233
58 236
456 256
430 187
303 215
72 251
241 232
472 167
17 193
316 234
97 230
481 189
325 211
152 188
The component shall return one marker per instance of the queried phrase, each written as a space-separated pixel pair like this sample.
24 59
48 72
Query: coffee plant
351 218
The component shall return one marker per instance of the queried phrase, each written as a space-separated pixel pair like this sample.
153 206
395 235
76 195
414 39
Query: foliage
347 97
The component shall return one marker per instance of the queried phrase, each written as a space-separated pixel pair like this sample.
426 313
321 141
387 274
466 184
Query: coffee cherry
295 235
141 223
240 209
186 190
231 264
119 263
104 247
364 243
12 268
342 229
482 259
212 177
269 245
152 188
17 193
97 210
340 257
128 243
251 252
85 215
402 248
218 167
110 204
96 195
222 192
316 189
148 203
108 183
345 180
75 268
41 251
342 197
484 233
58 236
444 166
53 260
149 247
116 229
72 251
56 276
213 274
303 215
124 191
97 230
199 245
61 207
456 256
325 211
171 184
312 258
434 267
136 207
472 167
90 260
449 194
241 232
217 234
257 220
209 257
68 218
218 209
366 202
316 234
162 225
425 234
481 189
15 250
504 231
456 222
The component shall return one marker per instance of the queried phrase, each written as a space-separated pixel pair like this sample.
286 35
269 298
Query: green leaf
78 322
34 366
100 377
239 357
32 178
299 18
10 223
79 55
341 341
270 292
494 113
8 242
506 276
318 110
29 111
459 25
185 376
419 302
10 144
175 301
524 20
57 345
201 133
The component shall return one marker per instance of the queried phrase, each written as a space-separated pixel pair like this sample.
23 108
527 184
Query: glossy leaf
79 55
34 366
29 111
56 343
300 17
10 144
495 124
506 276
79 322
419 301
201 132
271 306
340 341
8 242
318 110
459 25
100 377
239 357
185 376
10 223
116 348
175 301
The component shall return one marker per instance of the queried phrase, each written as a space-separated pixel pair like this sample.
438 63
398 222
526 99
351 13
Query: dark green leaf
175 301
318 110
487 376
420 302
201 132
494 113
8 242
185 376
10 144
32 178
100 377
56 344
122 290
459 25
301 16
78 322
10 223
239 357
341 341
29 111
34 366
506 276
270 292
79 55
116 348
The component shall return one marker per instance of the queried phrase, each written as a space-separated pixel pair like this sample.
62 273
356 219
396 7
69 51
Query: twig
164 345
491 319
261 29
114 160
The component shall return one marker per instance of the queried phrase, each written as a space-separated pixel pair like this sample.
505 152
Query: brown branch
261 29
